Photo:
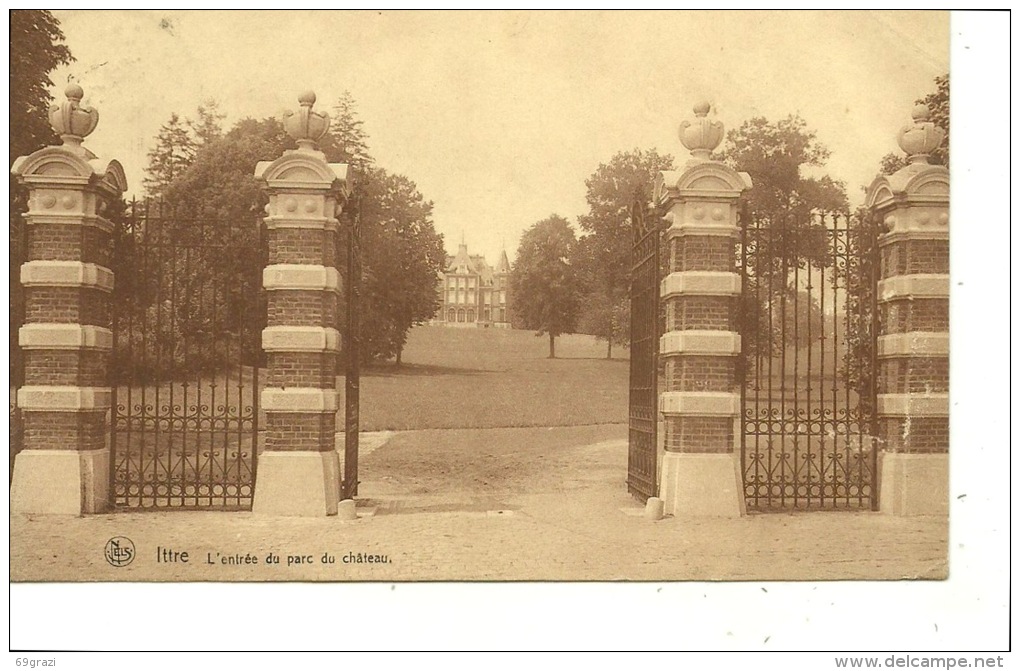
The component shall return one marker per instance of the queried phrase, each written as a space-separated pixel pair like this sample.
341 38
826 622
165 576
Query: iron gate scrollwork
187 319
643 414
809 339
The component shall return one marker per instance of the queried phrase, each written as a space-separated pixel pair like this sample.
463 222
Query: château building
473 293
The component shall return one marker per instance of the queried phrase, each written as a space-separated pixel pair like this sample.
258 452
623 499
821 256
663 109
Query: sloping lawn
482 378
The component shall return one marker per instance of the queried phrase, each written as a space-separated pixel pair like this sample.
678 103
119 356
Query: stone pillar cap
919 139
701 136
71 121
304 125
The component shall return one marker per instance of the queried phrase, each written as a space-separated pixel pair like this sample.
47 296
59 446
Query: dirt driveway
485 504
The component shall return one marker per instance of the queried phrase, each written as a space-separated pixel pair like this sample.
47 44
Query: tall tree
216 187
36 49
402 254
401 251
603 253
938 105
347 141
605 319
543 281
775 154
785 204
173 153
208 126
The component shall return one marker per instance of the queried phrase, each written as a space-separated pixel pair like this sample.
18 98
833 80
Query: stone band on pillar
701 403
299 471
64 464
913 346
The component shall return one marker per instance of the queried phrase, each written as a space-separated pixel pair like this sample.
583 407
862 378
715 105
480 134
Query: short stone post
912 209
64 466
299 471
700 472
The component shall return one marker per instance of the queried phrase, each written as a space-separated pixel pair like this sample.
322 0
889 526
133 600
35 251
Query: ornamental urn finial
702 135
71 121
304 125
919 139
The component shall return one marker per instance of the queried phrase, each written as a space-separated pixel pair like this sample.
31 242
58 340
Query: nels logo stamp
119 551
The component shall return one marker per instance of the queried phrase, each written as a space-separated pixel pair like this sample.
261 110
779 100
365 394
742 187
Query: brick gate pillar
64 466
299 470
911 207
700 472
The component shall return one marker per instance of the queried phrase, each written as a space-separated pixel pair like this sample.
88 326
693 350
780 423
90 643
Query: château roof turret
503 267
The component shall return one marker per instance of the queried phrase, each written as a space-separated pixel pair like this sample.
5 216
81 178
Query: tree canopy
786 230
347 140
36 49
783 199
776 155
206 176
173 153
543 281
209 124
602 255
401 252
402 255
177 145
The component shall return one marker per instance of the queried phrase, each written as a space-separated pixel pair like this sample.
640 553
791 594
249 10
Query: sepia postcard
510 296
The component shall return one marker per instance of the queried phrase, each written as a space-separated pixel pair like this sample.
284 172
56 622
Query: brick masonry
80 368
702 253
914 375
301 369
698 434
68 242
67 305
914 435
913 257
302 245
904 253
914 314
302 308
300 431
701 373
85 430
711 313
80 430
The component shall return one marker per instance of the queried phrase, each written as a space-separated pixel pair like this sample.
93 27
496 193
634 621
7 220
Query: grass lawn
460 378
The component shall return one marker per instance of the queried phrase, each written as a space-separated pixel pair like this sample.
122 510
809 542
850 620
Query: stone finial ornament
702 135
71 120
304 125
920 139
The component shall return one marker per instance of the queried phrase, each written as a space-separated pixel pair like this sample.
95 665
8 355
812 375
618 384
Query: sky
499 117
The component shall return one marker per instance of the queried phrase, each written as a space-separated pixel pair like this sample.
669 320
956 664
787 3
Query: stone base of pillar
913 484
701 485
297 484
61 482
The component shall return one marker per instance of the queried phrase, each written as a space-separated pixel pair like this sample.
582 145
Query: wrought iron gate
187 322
809 329
642 453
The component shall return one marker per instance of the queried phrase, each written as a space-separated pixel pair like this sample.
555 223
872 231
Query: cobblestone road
576 523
